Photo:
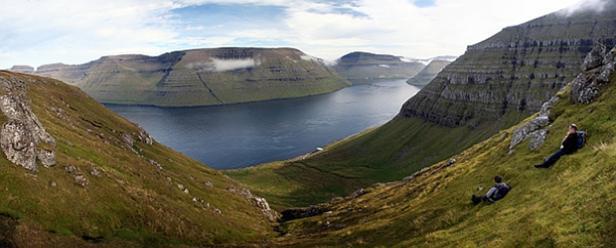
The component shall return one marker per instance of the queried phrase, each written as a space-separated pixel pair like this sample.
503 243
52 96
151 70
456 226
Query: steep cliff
74 174
568 205
200 77
513 71
493 86
361 67
429 72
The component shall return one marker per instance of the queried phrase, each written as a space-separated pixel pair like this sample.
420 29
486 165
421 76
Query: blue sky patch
229 15
424 3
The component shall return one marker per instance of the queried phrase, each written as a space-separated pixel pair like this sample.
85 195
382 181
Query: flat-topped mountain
200 76
429 72
75 174
366 67
22 69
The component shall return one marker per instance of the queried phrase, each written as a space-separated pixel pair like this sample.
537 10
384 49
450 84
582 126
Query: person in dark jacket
497 192
568 146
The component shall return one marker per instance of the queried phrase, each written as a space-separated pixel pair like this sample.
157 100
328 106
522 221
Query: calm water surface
246 134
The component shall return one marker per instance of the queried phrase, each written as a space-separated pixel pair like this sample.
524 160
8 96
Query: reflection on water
245 134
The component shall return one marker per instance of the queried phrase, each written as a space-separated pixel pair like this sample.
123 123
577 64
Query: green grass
388 153
131 203
568 205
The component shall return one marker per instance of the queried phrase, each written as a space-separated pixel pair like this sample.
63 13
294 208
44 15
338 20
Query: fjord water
241 135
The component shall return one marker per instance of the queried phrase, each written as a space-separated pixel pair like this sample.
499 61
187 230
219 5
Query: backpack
503 189
581 139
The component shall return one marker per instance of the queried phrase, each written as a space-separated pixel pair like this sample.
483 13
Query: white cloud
46 31
595 5
218 65
233 64
399 27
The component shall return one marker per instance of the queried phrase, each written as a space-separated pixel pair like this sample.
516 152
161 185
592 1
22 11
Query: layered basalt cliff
514 71
361 67
200 77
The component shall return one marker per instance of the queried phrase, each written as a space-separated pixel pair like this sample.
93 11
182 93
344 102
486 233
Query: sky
36 32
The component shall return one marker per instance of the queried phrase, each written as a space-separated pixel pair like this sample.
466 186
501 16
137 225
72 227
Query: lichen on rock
23 138
597 69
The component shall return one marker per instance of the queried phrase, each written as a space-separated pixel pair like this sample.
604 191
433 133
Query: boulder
94 171
145 137
262 204
258 202
18 144
128 139
81 180
536 139
594 58
598 67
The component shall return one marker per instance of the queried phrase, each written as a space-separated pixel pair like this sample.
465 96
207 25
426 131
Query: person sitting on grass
571 143
497 192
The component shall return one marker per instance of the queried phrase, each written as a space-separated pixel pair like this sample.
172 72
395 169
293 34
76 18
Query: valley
233 145
492 87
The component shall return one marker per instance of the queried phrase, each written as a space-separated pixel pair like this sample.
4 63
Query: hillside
493 86
428 73
568 205
363 67
200 77
74 174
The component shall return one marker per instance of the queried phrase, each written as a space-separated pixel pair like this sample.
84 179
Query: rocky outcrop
599 65
360 67
299 213
258 202
597 69
535 129
200 77
23 138
515 71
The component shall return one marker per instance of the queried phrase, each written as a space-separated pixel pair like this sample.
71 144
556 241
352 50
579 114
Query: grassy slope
396 149
569 205
131 203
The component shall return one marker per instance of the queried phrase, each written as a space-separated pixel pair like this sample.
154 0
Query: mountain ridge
200 77
362 67
429 72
